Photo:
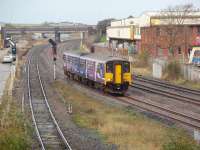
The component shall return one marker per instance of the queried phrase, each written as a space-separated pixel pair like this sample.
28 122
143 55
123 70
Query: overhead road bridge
83 30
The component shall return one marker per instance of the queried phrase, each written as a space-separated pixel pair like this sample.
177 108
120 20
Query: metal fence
191 72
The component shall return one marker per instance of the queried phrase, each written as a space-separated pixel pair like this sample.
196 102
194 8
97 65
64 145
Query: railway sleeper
40 112
50 132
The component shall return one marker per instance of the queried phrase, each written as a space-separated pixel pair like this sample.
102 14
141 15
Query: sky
84 11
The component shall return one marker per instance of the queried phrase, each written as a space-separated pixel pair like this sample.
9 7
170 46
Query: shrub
180 142
143 58
103 39
15 130
13 139
173 70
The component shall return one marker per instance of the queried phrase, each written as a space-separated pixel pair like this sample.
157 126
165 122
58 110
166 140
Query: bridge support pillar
57 37
83 36
3 37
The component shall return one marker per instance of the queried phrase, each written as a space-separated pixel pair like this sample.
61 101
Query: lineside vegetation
173 70
141 64
15 131
122 126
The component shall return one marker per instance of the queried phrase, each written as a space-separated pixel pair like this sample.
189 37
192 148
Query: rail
64 140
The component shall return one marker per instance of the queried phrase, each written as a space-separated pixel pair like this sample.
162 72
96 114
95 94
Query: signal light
53 43
54 48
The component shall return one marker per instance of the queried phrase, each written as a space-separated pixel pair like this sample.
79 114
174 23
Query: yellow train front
117 76
109 73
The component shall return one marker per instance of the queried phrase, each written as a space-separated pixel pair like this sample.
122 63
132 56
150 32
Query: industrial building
126 33
149 32
167 36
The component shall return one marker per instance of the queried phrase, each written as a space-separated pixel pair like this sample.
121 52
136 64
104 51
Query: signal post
54 50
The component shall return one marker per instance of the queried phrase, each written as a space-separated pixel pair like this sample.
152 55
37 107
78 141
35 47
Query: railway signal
54 50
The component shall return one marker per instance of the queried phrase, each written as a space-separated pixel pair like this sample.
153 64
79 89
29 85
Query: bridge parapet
41 29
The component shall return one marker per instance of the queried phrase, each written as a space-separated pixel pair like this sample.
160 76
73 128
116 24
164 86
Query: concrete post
3 36
81 36
57 36
86 35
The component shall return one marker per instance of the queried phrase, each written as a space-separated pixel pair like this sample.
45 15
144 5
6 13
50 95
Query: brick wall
156 39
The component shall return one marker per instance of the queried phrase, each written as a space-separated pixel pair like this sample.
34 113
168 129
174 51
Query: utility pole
54 50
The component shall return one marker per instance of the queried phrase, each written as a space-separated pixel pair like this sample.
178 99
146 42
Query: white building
128 31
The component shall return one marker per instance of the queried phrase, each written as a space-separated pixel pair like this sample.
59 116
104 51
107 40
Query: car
8 59
14 57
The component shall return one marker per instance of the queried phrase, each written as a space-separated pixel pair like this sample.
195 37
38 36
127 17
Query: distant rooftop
146 17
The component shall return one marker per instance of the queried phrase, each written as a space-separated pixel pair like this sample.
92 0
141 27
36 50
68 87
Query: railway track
167 85
189 96
47 128
147 105
161 110
156 108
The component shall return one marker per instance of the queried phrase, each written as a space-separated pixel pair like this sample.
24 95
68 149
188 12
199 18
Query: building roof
97 56
145 19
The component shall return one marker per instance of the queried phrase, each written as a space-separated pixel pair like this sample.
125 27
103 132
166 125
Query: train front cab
117 76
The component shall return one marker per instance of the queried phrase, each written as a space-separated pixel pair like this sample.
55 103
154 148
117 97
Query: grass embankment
15 132
127 129
144 71
186 83
173 74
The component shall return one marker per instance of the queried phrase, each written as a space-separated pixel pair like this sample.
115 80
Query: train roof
97 56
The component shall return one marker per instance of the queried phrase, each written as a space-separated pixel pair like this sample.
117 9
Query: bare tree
102 25
173 28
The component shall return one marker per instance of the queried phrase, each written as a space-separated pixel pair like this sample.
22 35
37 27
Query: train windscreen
126 67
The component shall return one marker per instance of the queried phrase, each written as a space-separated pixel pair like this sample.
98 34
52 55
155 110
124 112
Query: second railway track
181 117
167 85
157 88
156 108
47 129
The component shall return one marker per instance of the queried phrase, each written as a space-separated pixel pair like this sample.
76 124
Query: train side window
109 67
126 67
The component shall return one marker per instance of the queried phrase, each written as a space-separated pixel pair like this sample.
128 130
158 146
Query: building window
158 31
137 31
160 51
179 50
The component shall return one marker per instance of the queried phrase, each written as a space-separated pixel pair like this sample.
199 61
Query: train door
118 73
